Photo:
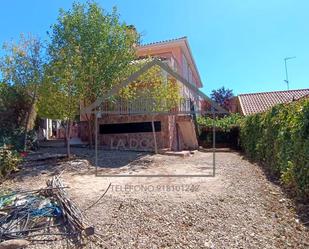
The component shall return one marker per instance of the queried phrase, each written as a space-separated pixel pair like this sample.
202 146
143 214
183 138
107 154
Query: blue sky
239 44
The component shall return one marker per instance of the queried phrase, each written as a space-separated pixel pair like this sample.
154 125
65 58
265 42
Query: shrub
15 140
9 160
227 130
279 139
223 123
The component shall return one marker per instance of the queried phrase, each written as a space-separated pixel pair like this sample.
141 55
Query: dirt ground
238 208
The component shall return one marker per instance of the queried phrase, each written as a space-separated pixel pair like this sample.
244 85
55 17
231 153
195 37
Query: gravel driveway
238 208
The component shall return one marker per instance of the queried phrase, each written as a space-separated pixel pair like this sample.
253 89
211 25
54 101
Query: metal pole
286 74
286 71
96 144
213 142
154 135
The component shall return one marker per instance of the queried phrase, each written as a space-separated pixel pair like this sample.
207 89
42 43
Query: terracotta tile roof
251 103
162 42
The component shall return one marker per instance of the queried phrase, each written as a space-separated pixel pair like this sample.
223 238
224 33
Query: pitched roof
185 44
163 41
251 103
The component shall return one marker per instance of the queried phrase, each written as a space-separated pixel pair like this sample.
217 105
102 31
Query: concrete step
183 153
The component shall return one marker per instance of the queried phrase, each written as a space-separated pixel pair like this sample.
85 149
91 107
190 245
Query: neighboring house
52 129
173 132
251 103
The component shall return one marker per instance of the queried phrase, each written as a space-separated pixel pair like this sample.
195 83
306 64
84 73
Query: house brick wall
142 141
167 138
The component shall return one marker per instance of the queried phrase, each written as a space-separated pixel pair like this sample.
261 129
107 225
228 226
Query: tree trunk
31 108
67 137
90 133
27 124
26 130
90 130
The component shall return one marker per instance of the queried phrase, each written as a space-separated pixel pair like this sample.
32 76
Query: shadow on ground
302 206
52 161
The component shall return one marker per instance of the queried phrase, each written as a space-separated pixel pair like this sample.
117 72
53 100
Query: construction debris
71 213
42 212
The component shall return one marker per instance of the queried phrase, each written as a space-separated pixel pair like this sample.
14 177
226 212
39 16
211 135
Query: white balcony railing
120 106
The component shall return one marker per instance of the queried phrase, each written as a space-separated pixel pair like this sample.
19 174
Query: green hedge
279 139
223 123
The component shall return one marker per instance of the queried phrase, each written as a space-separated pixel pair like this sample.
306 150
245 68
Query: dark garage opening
129 127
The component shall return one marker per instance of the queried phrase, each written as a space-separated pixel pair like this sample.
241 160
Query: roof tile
163 41
259 102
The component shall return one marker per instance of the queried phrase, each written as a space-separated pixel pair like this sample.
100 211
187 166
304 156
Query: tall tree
101 45
89 51
22 66
222 96
61 92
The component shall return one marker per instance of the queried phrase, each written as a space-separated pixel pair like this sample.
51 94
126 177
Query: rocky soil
238 208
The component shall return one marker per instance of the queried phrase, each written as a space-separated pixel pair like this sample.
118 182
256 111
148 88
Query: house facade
167 131
178 54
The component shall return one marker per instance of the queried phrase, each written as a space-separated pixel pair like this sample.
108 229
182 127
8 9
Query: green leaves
13 107
9 160
89 52
22 72
224 123
152 85
22 64
279 139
